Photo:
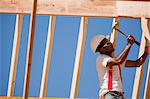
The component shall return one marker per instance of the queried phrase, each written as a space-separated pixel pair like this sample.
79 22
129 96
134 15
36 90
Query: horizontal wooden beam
134 8
4 97
98 8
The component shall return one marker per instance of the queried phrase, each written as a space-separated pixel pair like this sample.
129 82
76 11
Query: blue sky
63 55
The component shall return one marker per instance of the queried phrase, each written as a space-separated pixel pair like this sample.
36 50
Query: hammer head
116 25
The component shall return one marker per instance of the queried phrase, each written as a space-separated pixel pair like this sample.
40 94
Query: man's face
107 48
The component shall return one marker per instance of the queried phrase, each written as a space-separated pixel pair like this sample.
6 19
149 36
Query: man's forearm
122 57
138 62
142 59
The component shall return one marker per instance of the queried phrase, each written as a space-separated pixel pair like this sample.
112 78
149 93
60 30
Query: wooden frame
133 8
79 55
147 85
99 8
145 27
47 56
14 58
96 8
114 32
29 51
139 71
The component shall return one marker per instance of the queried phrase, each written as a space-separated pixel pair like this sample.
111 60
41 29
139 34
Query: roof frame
90 8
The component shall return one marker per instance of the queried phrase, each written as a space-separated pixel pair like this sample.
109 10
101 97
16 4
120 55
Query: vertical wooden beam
139 71
47 56
145 23
113 37
147 85
30 49
148 24
114 34
79 55
14 57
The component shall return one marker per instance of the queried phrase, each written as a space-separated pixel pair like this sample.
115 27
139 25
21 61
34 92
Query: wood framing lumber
148 24
139 71
147 85
34 98
14 57
98 8
62 7
113 37
29 50
47 56
78 58
145 23
132 8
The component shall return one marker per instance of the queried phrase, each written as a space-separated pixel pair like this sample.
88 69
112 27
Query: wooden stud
79 55
139 71
29 51
146 27
3 97
113 38
47 56
99 8
147 85
14 58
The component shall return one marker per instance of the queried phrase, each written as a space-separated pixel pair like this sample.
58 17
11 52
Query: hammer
115 27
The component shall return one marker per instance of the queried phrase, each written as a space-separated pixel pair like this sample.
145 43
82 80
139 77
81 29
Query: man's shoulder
102 58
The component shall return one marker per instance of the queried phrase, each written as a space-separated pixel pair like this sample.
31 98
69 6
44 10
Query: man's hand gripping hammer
115 27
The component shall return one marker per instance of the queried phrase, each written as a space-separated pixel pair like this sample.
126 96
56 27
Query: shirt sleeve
105 61
102 60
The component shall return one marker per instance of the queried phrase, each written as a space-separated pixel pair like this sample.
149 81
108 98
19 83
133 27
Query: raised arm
141 60
122 57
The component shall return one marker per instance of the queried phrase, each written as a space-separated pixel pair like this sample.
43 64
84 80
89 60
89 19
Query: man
108 66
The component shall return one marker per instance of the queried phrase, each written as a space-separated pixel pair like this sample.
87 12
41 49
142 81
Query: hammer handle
136 42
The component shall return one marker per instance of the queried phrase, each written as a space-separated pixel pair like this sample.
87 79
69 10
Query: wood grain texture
47 57
147 85
139 70
4 97
132 8
114 34
61 7
99 8
29 50
78 58
15 52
